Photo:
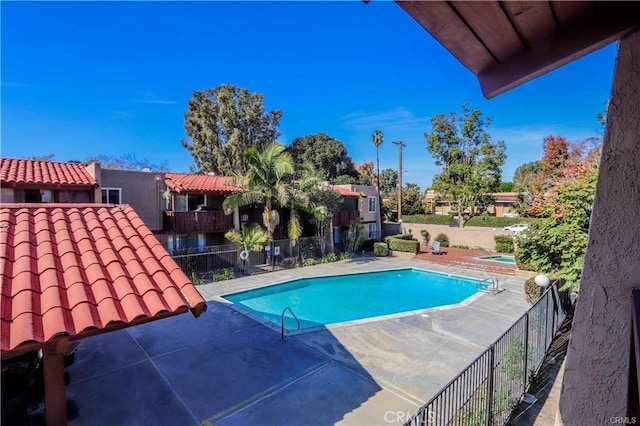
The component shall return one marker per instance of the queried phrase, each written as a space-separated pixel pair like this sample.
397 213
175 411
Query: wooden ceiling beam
560 49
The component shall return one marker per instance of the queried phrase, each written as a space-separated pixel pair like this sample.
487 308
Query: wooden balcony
197 222
344 217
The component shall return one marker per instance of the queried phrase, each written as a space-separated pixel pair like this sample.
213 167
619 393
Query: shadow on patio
223 368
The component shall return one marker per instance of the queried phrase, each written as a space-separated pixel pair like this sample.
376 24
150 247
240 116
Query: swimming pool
329 300
499 258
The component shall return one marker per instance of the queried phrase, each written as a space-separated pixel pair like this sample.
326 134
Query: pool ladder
282 320
494 288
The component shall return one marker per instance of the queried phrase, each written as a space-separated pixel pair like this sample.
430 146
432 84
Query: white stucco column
236 219
594 387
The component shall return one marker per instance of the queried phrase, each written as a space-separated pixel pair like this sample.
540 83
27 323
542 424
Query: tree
602 116
471 162
557 244
126 162
323 204
505 187
388 182
412 199
269 181
251 238
367 175
221 123
377 139
528 184
327 155
555 155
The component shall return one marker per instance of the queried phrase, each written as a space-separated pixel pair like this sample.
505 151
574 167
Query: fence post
526 352
490 386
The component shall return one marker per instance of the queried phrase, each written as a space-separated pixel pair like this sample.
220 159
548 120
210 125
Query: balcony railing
344 217
197 222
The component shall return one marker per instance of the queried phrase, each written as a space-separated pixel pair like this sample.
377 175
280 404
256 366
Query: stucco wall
470 236
596 371
140 191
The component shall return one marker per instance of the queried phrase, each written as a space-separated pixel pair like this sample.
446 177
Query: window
189 202
111 196
38 196
372 204
186 242
371 231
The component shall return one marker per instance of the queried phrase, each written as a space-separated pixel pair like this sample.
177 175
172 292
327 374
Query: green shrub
521 263
498 222
196 280
346 255
443 240
398 236
429 219
504 243
328 258
309 261
461 246
224 274
409 246
532 290
381 249
425 235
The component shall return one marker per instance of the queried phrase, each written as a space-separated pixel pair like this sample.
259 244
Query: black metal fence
203 262
487 390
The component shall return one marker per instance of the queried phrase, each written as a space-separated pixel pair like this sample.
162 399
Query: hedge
504 243
443 239
399 237
380 249
409 246
429 219
499 222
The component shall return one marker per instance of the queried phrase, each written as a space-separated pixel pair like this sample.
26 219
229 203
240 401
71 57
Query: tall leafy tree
367 174
388 182
268 181
557 244
377 139
126 162
324 202
412 199
327 155
471 161
221 123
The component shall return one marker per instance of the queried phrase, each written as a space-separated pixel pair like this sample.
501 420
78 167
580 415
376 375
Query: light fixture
542 280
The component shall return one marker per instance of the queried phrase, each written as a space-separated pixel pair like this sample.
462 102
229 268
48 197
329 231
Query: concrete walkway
228 368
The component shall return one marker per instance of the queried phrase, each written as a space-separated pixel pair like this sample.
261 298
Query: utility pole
400 145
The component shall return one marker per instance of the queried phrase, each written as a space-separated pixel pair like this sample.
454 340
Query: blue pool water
329 300
499 258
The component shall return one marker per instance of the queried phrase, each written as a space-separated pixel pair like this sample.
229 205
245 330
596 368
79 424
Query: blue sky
81 79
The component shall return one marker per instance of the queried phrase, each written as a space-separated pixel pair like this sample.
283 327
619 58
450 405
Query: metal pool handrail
282 320
495 284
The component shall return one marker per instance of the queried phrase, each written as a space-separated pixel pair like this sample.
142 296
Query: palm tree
252 238
269 181
377 139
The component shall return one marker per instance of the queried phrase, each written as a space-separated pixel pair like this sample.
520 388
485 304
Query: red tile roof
76 269
182 182
345 192
21 171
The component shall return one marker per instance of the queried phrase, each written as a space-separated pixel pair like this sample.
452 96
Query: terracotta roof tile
182 182
69 269
20 171
345 192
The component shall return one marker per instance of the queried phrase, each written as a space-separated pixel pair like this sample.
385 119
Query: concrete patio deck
227 368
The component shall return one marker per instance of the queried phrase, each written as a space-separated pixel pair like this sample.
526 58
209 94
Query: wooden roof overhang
507 43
